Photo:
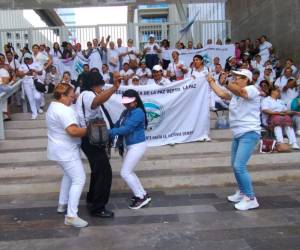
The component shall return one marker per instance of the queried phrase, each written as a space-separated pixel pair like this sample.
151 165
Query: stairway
24 168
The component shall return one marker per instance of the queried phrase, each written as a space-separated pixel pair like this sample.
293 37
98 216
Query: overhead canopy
53 4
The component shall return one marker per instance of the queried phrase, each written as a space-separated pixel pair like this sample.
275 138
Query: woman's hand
210 78
223 78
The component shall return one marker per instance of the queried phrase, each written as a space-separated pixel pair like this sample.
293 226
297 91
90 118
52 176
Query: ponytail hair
140 104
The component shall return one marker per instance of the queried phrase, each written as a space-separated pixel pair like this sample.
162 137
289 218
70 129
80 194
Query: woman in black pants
89 105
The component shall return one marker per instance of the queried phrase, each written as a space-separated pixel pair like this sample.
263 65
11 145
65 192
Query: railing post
30 38
64 36
130 31
229 29
97 32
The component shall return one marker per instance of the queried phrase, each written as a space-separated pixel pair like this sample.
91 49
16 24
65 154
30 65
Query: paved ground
198 218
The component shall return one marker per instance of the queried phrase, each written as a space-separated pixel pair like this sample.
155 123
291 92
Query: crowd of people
257 89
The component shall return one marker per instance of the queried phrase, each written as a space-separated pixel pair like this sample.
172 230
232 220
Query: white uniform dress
65 150
34 97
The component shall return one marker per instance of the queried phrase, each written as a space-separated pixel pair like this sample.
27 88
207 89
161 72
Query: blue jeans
241 151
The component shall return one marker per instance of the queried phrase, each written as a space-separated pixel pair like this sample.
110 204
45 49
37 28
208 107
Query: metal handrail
16 86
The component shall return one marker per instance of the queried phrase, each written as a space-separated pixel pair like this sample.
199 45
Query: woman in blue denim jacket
130 129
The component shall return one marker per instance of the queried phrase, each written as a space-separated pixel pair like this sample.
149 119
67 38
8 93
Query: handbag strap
111 124
83 110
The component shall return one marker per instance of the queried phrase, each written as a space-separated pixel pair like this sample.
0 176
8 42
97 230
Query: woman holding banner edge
244 116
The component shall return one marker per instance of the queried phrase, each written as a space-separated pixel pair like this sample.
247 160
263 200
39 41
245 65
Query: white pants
296 121
71 185
289 132
4 107
34 97
132 156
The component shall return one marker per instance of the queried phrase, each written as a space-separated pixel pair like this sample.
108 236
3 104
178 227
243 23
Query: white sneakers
40 111
242 202
75 222
295 146
246 204
237 197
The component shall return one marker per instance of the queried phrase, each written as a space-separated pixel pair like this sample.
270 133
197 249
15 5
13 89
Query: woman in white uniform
28 71
64 147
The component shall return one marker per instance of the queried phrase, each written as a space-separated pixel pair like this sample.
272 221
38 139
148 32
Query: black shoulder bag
97 131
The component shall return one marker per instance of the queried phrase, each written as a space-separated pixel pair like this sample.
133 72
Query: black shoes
102 213
138 203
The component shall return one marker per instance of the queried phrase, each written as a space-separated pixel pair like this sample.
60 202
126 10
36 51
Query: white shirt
290 94
282 81
264 51
113 57
131 56
95 60
165 54
123 73
12 64
271 104
23 68
244 113
61 146
144 75
106 77
88 98
163 82
151 48
173 68
40 58
196 74
4 73
258 66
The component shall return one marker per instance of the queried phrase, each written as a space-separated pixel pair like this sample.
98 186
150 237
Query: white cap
151 35
126 99
27 55
269 67
157 68
136 77
243 72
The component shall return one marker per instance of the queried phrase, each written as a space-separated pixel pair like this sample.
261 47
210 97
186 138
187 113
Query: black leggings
101 175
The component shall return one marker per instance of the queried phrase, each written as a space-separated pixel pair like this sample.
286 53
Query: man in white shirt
158 78
122 51
264 49
113 58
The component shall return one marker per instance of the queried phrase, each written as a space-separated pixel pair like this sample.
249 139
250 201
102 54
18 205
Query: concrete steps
24 168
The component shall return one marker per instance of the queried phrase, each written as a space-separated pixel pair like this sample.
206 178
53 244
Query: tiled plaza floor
198 218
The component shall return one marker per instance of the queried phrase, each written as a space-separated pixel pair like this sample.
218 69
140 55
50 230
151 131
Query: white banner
208 53
75 67
176 113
